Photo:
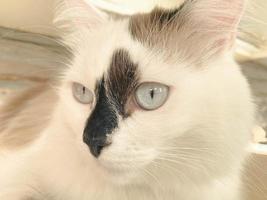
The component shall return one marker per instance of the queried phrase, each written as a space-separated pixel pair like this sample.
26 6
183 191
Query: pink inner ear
237 7
222 16
217 14
235 10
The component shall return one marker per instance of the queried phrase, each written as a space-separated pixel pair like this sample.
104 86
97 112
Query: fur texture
192 148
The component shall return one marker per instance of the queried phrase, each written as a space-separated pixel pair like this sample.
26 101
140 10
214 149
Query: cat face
155 95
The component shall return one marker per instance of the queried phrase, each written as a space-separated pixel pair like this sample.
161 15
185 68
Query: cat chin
123 179
118 174
118 177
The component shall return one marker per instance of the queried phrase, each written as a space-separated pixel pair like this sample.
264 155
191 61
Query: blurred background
30 52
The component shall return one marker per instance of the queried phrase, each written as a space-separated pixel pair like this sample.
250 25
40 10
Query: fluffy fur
192 148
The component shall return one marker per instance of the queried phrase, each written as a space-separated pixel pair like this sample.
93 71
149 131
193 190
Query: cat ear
75 13
197 29
217 19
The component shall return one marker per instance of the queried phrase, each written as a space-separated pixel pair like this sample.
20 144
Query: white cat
152 107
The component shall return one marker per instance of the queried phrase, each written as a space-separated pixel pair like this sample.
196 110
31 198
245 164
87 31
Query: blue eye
151 96
82 94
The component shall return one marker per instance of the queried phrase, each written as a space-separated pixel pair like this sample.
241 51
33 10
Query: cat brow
122 79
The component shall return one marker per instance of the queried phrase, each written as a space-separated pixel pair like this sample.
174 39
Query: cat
151 106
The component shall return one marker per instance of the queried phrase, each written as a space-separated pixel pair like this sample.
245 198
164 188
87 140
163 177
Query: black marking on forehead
103 121
122 80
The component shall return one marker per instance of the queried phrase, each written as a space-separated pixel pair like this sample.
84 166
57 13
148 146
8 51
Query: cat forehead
144 36
95 51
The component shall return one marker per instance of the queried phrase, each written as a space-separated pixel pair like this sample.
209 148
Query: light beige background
28 15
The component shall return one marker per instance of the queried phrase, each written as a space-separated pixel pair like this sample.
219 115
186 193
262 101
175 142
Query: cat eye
82 94
151 96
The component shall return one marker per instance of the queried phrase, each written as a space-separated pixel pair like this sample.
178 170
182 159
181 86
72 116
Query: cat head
157 94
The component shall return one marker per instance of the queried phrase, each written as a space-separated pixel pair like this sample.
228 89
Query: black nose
96 145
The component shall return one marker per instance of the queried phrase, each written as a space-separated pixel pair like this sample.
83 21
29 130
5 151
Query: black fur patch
102 121
122 80
113 93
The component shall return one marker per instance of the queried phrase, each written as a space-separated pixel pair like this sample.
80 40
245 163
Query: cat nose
101 123
96 145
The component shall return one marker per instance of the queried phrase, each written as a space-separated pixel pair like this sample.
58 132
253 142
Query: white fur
192 148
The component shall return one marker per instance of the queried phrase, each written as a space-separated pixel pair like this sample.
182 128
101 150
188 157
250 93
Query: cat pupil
83 90
152 93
